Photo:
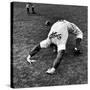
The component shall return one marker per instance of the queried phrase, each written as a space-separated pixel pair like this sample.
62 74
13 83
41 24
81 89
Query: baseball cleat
50 71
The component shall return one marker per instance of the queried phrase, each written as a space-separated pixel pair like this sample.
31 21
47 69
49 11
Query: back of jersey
59 27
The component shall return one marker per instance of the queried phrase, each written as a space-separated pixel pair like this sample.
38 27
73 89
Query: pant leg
42 44
45 43
28 12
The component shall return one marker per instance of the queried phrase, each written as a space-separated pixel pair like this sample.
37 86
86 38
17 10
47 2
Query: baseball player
58 36
28 6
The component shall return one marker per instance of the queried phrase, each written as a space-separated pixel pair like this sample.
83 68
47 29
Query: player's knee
44 43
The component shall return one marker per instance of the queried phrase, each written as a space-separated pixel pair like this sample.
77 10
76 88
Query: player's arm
56 62
79 36
78 33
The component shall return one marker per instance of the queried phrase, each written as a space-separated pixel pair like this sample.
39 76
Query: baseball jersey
59 34
62 27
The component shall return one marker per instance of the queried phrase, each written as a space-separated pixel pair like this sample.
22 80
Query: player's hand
76 51
29 60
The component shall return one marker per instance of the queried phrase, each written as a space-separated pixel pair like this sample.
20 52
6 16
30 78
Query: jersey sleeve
75 30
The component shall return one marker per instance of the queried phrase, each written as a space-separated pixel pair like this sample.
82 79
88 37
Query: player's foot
50 71
29 60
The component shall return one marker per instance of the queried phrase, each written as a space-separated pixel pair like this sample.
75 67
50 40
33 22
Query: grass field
29 30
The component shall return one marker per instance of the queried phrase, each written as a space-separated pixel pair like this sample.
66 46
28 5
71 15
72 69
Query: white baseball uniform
27 5
58 34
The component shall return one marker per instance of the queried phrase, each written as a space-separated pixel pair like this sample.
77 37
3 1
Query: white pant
61 44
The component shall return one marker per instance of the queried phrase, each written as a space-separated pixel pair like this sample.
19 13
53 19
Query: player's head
47 23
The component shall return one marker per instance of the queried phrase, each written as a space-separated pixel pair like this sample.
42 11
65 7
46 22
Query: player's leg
58 59
33 10
56 62
28 12
33 52
27 8
36 49
60 53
